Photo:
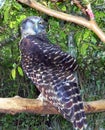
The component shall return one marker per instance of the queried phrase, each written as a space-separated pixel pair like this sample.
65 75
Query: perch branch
17 105
92 25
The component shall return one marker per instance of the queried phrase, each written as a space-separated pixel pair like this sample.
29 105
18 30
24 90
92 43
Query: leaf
14 65
7 8
86 34
12 24
64 8
20 17
93 39
17 6
6 14
20 71
13 73
84 49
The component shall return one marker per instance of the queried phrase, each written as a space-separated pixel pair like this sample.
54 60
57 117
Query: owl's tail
72 105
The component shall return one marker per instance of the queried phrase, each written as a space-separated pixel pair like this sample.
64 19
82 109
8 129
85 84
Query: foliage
90 57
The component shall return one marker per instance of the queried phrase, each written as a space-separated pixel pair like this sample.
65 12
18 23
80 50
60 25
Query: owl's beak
36 28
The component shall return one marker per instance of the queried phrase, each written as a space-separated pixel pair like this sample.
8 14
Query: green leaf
86 35
84 49
64 8
6 14
93 39
17 6
12 24
20 17
20 71
13 74
14 65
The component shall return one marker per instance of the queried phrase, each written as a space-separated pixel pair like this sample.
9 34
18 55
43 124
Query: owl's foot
41 97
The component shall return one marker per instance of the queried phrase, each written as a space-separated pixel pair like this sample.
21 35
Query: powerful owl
51 70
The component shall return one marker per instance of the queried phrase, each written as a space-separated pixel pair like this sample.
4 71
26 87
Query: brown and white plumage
51 70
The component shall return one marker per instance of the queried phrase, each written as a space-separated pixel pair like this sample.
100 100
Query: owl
51 70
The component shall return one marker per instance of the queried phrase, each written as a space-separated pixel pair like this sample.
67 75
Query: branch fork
90 24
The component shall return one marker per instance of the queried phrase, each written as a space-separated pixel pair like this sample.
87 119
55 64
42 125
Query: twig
92 25
89 11
80 6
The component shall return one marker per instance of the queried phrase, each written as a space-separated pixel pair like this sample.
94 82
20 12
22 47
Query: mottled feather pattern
51 70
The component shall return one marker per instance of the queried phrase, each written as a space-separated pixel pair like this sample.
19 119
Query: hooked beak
36 28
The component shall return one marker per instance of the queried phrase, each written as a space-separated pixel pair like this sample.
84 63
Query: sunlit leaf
20 71
86 34
13 74
64 8
12 24
21 17
17 6
6 14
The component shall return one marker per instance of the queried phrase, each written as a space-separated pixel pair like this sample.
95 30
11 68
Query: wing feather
51 70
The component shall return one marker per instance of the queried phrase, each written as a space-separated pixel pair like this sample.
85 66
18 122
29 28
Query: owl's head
32 25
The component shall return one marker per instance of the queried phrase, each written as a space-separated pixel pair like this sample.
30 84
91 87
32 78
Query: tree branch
92 25
17 105
80 6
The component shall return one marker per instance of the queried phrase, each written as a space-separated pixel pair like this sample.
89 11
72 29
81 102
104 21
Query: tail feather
72 110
